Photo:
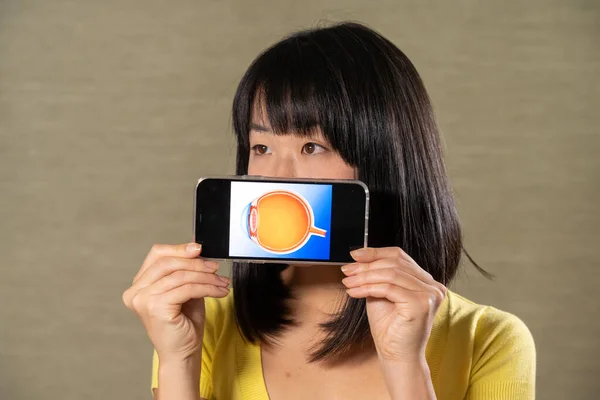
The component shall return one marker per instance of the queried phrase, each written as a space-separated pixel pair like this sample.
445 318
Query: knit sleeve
208 346
504 359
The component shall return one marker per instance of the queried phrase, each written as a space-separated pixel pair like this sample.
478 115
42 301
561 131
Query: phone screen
264 219
280 220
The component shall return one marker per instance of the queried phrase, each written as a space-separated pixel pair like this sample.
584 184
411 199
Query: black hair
370 103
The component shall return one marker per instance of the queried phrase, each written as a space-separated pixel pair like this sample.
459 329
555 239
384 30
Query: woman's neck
317 292
317 295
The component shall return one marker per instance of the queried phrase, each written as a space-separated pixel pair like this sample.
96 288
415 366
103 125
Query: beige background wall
110 110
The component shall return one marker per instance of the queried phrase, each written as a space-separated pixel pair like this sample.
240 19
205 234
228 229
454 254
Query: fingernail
358 252
349 268
193 248
223 278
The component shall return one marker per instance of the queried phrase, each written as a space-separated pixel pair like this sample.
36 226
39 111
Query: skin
169 290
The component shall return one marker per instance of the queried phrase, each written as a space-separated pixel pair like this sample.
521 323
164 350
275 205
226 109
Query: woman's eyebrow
258 128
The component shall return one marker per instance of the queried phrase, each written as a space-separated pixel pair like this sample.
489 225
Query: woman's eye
260 149
313 148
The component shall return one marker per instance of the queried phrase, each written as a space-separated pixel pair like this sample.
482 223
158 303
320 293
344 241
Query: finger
187 250
407 266
394 276
425 301
167 265
181 278
370 254
189 291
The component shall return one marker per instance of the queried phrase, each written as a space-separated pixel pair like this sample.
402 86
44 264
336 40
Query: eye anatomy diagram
280 220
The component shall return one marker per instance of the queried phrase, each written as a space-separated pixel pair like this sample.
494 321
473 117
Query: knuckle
187 287
362 278
440 296
397 262
163 262
179 276
381 288
430 301
167 263
191 288
395 272
169 281
176 278
443 290
138 303
398 252
388 287
435 300
213 288
158 248
126 298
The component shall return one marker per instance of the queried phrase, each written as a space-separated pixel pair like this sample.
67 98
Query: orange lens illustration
281 222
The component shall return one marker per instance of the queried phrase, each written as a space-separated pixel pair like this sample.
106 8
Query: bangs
295 84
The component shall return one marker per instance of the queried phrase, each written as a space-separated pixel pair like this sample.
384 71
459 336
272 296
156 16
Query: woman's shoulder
485 319
495 348
494 334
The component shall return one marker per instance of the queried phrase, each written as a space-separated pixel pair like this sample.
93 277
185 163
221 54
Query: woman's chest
289 377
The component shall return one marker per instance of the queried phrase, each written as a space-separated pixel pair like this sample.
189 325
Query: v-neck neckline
252 383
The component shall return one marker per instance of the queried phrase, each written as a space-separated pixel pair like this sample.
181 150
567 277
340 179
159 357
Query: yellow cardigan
474 353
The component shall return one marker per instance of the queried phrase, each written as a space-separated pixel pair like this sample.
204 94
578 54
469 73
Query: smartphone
270 220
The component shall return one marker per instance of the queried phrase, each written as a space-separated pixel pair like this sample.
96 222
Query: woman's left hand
402 300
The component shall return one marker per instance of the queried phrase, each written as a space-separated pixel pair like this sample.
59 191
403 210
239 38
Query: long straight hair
370 103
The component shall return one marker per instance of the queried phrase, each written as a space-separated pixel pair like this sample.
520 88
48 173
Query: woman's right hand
168 295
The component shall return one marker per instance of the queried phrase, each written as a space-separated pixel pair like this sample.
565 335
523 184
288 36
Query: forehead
261 132
284 111
260 123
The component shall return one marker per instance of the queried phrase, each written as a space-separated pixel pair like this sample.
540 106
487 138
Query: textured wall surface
110 110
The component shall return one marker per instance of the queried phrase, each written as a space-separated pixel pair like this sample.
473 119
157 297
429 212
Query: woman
339 102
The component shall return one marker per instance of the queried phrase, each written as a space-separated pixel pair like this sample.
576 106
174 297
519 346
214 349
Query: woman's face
293 156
